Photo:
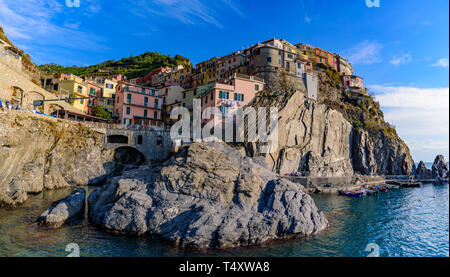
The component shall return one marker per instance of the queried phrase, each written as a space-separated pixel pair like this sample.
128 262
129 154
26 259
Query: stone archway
54 107
17 95
30 97
127 156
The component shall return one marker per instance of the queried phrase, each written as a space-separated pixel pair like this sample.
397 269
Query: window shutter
242 98
228 95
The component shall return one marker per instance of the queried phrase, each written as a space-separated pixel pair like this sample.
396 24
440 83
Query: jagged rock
38 153
439 168
208 196
316 140
64 210
422 172
380 155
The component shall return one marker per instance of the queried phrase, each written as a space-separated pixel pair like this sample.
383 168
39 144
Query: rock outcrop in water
39 153
422 172
439 168
208 196
64 210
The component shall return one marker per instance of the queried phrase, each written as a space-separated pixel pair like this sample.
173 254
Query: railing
123 126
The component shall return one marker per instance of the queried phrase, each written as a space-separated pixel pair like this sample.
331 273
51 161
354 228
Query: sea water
399 223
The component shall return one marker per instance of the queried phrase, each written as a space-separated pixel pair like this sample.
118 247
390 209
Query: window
139 139
184 94
129 98
212 96
159 141
224 95
80 89
146 101
269 59
143 90
206 99
155 115
156 103
239 97
224 109
257 87
128 110
290 56
145 113
153 92
195 93
82 101
287 64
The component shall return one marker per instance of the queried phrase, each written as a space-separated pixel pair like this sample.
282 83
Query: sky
400 48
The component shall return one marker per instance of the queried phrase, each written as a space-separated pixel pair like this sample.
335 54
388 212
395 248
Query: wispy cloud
366 52
421 117
30 23
307 19
190 12
401 59
441 63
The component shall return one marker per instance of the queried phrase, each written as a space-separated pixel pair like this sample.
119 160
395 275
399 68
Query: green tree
99 111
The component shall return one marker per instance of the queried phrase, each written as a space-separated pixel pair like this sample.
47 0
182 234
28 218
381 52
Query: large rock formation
208 196
64 210
325 138
439 168
39 153
422 172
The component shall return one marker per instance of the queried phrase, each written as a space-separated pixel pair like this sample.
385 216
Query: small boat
368 191
379 188
350 193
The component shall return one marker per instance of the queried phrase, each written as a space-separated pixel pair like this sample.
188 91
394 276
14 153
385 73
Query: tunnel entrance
118 139
128 156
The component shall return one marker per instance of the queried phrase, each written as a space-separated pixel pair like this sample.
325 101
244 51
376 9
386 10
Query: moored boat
379 188
351 193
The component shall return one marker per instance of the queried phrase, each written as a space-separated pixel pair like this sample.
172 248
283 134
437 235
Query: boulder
208 196
439 168
422 172
64 210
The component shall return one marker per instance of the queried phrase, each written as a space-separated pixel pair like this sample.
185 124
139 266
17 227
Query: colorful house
353 82
75 86
238 92
95 96
138 105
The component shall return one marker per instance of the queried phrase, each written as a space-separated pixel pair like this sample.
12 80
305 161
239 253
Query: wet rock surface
64 210
208 196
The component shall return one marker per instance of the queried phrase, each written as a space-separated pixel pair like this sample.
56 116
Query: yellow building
75 87
109 94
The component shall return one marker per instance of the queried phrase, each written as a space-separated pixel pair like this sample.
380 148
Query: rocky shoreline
191 204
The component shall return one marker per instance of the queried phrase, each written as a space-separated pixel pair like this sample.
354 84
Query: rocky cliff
208 196
39 153
337 135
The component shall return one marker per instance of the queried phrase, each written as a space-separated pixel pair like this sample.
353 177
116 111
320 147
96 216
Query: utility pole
59 99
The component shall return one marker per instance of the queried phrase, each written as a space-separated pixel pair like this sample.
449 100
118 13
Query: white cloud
366 52
441 63
190 12
421 117
30 23
401 59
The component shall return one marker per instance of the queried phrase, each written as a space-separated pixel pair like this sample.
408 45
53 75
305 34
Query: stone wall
154 145
16 86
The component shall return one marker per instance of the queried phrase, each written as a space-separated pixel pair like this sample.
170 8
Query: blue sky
400 48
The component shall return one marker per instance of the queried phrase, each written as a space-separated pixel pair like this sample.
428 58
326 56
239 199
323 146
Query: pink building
238 92
353 82
138 105
95 96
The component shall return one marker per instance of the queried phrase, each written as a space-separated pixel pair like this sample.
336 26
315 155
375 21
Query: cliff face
208 196
336 135
39 153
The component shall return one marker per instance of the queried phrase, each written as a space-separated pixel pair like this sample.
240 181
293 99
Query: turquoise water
414 223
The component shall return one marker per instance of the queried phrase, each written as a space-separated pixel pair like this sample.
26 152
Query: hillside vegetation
132 67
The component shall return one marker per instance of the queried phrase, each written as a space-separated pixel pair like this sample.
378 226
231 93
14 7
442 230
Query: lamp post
59 99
